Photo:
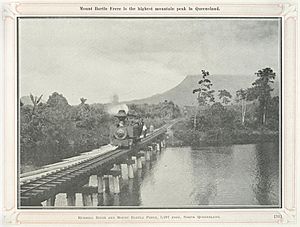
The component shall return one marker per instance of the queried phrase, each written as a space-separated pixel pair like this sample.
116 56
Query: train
127 131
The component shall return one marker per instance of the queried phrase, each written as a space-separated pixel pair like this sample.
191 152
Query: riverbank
219 137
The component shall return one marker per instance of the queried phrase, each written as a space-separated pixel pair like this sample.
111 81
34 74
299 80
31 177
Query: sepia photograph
149 112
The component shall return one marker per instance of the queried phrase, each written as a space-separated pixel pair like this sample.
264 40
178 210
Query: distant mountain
182 94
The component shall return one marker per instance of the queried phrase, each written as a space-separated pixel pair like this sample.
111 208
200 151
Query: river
208 177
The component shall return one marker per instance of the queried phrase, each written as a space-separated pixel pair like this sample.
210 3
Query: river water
238 175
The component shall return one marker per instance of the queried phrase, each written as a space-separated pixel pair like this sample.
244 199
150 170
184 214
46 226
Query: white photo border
288 14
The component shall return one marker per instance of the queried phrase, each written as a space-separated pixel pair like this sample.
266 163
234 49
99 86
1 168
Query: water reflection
267 175
241 175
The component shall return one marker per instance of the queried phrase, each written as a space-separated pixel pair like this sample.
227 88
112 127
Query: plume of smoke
115 106
115 99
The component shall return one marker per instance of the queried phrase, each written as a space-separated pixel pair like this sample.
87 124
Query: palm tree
261 90
241 96
82 100
35 101
204 93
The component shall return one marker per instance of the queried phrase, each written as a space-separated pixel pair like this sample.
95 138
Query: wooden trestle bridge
43 185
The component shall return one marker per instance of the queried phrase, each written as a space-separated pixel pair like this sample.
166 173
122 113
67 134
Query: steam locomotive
127 130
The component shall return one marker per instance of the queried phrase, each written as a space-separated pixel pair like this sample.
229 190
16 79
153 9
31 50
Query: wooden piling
148 165
130 172
100 199
100 184
134 165
158 147
116 185
111 183
139 163
116 172
124 171
87 199
94 197
116 200
105 183
139 173
130 186
50 201
148 156
93 181
71 199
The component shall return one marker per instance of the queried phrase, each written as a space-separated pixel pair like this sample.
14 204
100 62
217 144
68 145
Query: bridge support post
134 165
71 199
94 199
130 163
87 199
116 200
100 184
116 185
105 183
51 201
100 199
124 171
111 183
130 171
139 160
143 159
164 143
139 163
151 152
139 174
148 156
93 181
130 186
154 150
158 147
148 165
115 172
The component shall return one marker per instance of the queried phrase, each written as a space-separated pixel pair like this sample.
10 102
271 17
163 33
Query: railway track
52 168
39 189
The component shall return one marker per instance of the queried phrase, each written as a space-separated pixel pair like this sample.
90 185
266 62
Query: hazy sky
136 58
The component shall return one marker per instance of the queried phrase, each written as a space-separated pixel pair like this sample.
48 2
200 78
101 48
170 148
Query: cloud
136 58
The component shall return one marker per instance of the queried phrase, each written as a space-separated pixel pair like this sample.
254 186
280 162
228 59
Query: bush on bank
221 125
54 130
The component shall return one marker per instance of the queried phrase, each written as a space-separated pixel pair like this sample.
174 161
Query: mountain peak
182 94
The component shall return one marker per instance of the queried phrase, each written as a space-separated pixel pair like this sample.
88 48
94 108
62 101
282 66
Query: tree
241 96
225 96
83 100
204 93
57 100
217 123
273 114
261 90
35 101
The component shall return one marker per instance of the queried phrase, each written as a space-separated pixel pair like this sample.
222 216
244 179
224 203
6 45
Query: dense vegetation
156 114
252 117
55 130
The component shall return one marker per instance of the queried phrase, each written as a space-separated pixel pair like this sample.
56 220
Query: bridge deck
48 183
45 170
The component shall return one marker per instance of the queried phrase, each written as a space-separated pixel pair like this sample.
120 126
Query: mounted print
150 113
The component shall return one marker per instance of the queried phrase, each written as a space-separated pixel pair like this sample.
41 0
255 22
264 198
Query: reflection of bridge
107 167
